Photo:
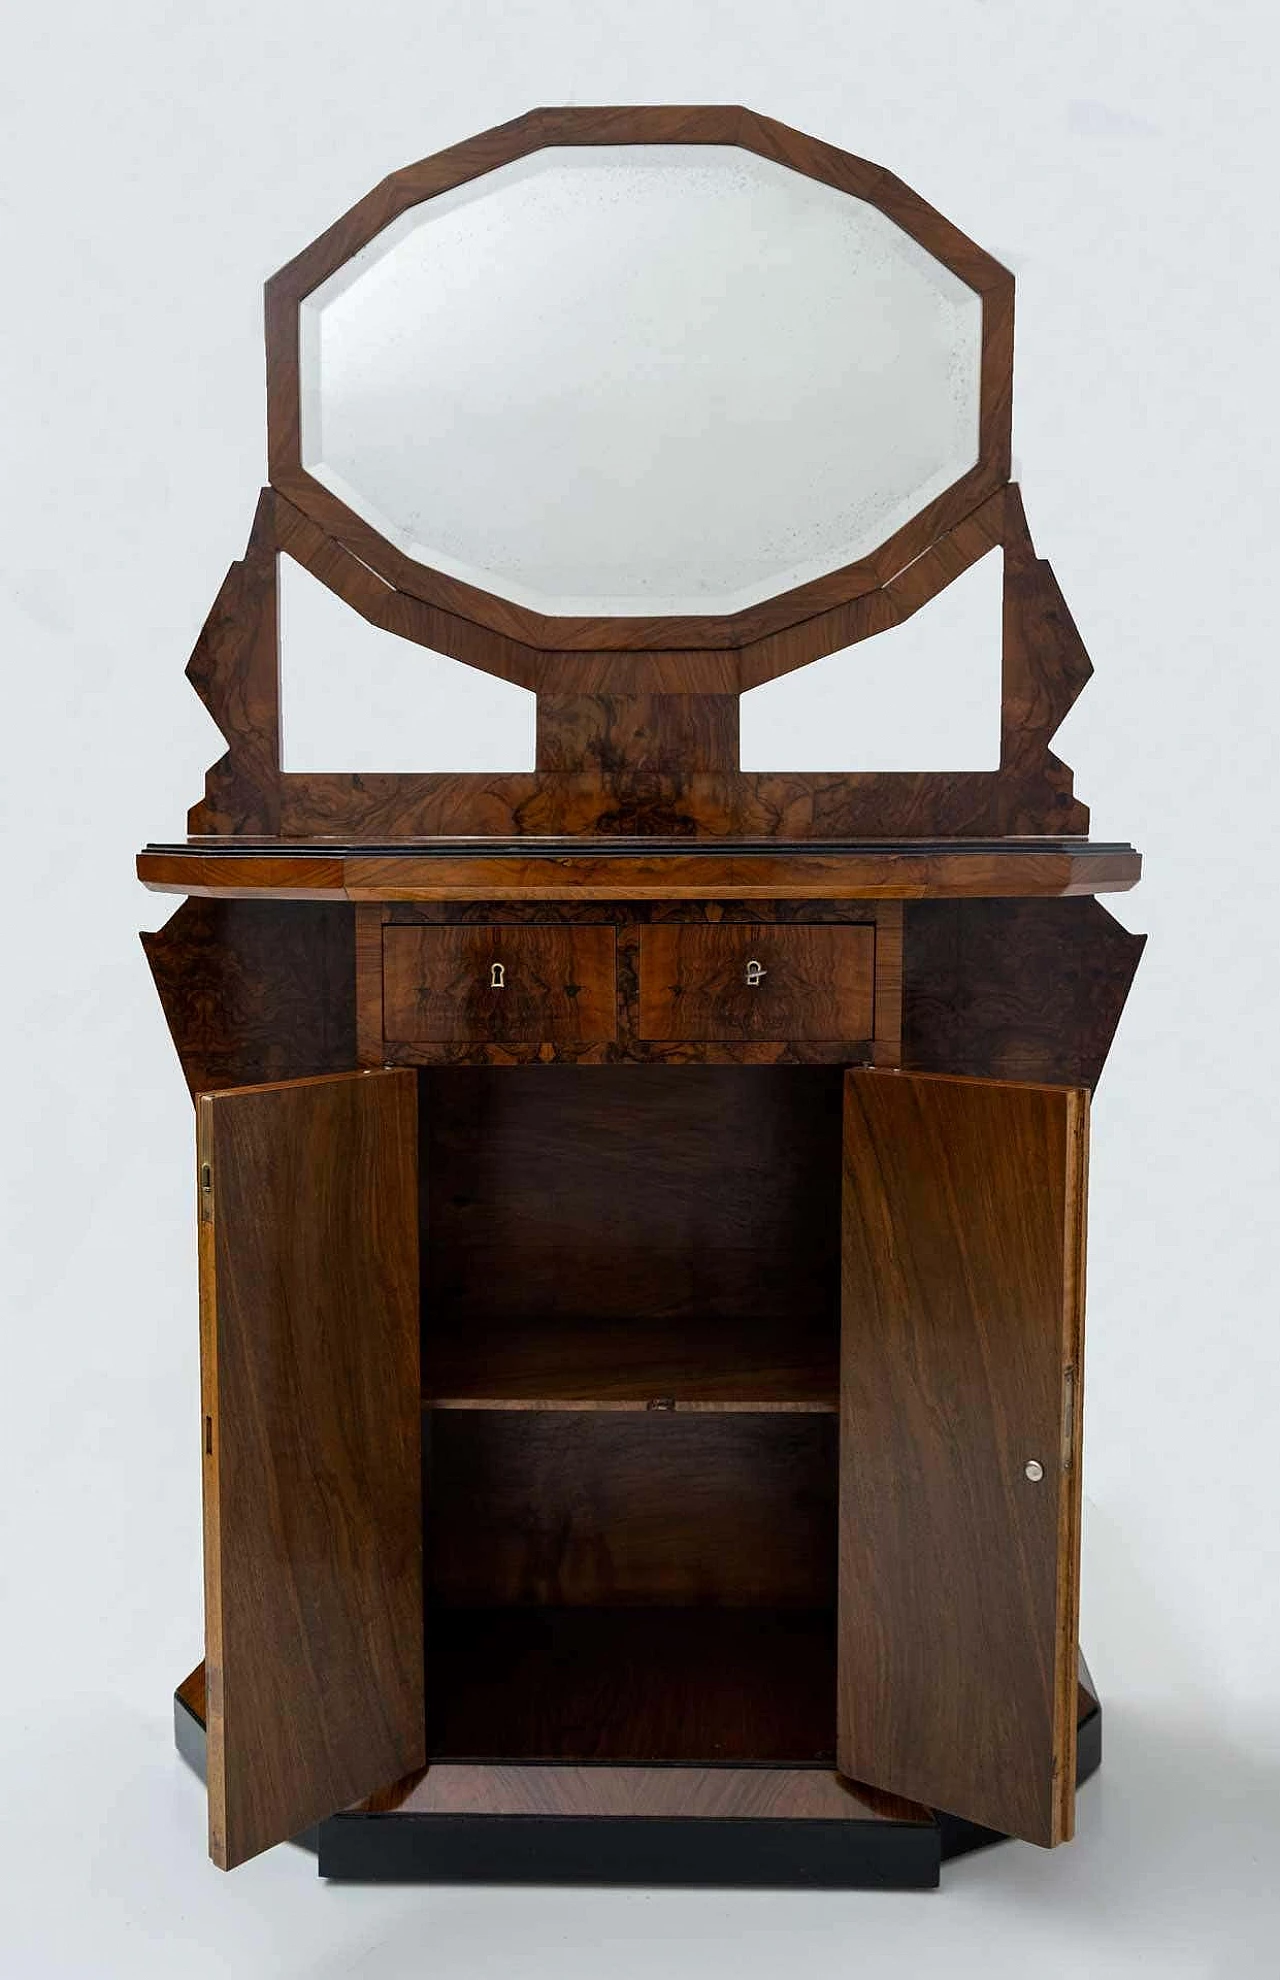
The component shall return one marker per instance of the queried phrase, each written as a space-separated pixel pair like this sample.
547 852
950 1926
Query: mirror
925 695
355 698
640 380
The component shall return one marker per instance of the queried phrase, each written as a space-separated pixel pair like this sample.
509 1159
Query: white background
160 162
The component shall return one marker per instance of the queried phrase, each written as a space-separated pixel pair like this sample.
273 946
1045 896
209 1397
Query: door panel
962 1334
312 1466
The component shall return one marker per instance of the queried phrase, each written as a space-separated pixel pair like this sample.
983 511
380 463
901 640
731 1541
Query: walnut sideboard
641 1202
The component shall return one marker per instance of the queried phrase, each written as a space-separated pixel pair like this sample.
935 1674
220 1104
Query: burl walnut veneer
641 1202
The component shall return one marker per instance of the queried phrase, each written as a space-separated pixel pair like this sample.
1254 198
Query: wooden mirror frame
535 131
637 722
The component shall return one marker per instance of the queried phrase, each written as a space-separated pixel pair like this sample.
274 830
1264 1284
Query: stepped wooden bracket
639 743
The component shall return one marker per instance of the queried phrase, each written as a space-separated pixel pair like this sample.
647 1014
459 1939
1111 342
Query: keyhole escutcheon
756 971
497 976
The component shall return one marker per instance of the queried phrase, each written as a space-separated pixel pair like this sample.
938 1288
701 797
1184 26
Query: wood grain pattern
818 981
1045 669
963 1340
257 990
892 603
650 733
487 1787
707 1197
312 1485
626 1045
392 611
1015 989
193 1692
651 1362
369 924
679 1685
886 1035
558 983
636 125
616 871
622 705
647 746
601 1791
688 804
615 764
235 671
587 1510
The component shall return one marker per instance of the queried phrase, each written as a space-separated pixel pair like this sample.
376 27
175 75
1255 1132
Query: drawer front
739 982
499 985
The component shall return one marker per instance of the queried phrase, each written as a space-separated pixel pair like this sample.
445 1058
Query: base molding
778 1828
630 1849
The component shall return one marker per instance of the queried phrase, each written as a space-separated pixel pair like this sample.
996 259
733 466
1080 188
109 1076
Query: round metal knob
1034 1470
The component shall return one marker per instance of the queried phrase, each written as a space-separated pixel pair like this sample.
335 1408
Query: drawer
816 980
501 985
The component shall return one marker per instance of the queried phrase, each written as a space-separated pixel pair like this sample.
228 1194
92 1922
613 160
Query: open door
312 1432
962 1331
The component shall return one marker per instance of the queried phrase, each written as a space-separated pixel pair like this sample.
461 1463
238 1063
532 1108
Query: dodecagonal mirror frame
540 129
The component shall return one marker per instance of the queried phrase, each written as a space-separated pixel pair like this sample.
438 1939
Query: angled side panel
1014 989
257 990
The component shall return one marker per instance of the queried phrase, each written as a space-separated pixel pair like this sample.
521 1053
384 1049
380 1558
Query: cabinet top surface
637 868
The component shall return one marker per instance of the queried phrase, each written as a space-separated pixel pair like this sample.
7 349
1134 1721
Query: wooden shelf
642 1364
700 1686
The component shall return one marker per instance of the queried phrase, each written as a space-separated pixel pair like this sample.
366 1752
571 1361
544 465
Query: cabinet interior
630 1339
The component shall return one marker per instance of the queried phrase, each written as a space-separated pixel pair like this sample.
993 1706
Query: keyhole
497 977
755 971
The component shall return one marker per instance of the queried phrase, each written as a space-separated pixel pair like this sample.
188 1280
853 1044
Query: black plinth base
554 1849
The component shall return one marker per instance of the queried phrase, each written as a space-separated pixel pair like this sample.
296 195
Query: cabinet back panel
604 1192
599 1510
691 1686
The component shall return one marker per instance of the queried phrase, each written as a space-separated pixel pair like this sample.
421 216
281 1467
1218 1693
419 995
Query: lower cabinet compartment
687 1346
703 1687
644 1588
630 1339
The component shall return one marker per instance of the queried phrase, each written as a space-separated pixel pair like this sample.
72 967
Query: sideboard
641 1202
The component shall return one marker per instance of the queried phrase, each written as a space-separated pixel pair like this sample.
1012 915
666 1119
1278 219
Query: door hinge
1068 1417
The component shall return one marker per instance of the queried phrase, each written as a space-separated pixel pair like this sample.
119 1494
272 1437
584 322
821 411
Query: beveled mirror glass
640 379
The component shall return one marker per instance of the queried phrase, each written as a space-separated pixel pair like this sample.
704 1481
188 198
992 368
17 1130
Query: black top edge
589 848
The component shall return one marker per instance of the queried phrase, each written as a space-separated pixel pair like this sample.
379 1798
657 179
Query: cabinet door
312 1436
962 1330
